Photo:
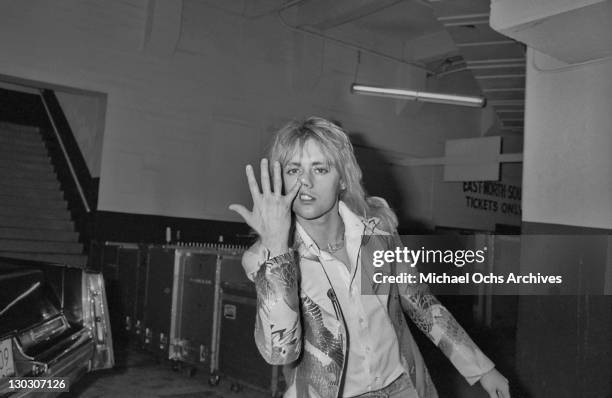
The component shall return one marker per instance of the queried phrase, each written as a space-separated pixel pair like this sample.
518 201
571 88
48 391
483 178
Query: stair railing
65 152
79 187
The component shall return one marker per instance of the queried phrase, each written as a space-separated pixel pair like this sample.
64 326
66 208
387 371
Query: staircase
35 223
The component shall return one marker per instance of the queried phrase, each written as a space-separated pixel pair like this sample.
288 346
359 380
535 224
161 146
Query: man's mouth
306 197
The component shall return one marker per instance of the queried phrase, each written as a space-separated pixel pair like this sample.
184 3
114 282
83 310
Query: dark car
54 323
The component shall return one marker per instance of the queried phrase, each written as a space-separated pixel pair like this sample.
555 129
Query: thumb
242 211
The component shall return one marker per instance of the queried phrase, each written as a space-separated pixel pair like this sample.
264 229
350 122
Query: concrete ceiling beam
325 14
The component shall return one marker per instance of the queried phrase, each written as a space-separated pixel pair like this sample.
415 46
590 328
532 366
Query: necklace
334 247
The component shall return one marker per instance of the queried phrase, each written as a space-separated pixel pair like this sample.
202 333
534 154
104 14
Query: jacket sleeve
278 333
433 319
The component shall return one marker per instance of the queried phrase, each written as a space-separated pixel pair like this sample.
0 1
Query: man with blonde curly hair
334 339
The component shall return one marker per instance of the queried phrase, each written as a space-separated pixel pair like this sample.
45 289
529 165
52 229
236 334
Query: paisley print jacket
304 330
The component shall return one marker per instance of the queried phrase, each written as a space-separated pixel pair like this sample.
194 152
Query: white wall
473 207
179 127
85 114
568 143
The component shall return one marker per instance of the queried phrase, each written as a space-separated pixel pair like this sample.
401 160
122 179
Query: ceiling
447 36
444 36
454 35
496 61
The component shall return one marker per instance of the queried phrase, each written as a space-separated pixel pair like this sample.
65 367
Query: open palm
271 213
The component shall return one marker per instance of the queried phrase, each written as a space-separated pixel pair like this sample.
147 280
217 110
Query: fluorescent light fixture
423 96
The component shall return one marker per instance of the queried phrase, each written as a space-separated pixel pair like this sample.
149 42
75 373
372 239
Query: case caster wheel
176 366
213 380
236 387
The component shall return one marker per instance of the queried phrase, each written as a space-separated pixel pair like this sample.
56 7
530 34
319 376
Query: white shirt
373 358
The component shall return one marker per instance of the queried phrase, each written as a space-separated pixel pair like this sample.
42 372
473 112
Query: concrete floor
138 374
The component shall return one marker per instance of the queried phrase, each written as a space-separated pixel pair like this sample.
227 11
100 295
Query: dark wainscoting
564 342
142 228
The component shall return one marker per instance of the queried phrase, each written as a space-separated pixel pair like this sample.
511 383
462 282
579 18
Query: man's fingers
243 211
500 392
293 191
278 179
253 187
265 176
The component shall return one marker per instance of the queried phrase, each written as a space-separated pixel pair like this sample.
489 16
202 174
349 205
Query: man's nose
306 180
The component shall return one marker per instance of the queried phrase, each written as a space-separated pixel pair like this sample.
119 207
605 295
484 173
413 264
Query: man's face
318 195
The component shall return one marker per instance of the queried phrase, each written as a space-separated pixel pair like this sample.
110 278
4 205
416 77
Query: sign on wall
477 204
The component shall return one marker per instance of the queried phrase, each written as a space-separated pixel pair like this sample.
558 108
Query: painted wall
85 114
477 205
480 205
563 342
180 125
567 162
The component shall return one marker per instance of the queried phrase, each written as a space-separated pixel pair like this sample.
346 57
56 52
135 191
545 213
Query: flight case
158 299
193 305
239 358
193 323
125 272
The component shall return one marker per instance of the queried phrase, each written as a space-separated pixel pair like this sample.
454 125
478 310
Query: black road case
239 358
124 266
193 308
158 300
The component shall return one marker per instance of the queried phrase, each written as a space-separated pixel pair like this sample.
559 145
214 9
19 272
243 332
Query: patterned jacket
309 336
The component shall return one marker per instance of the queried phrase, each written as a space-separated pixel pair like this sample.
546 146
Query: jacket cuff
474 379
469 360
280 259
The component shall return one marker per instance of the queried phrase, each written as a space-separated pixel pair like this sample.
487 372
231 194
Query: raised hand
271 214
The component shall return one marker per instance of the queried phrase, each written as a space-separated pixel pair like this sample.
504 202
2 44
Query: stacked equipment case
157 314
125 276
238 355
194 306
194 309
124 266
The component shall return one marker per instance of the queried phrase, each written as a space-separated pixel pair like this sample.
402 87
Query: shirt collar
354 227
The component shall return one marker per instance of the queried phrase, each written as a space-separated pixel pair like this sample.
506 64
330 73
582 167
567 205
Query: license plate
7 367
